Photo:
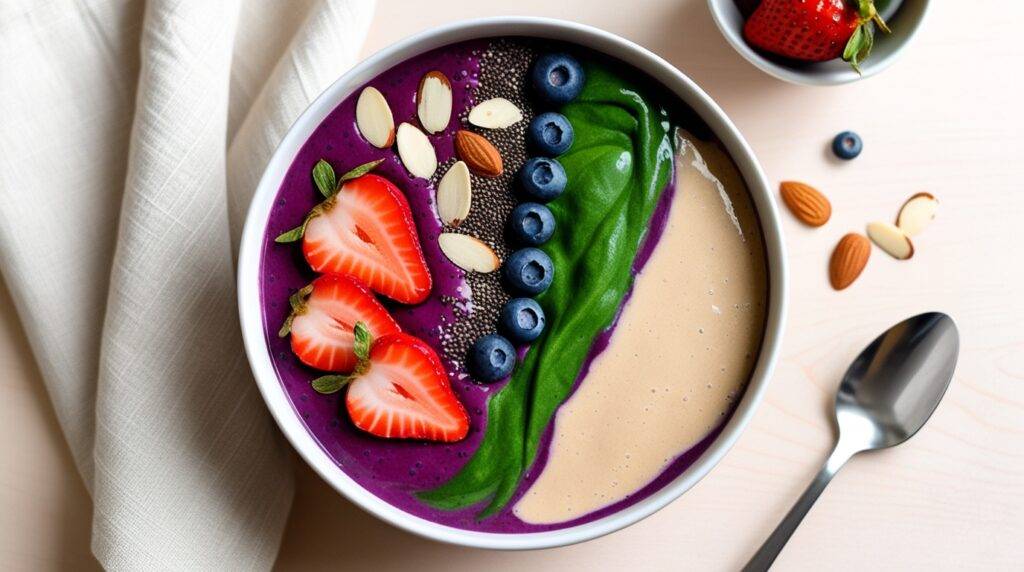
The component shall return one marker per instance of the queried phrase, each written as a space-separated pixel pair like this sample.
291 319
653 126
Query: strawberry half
815 31
323 317
399 390
364 228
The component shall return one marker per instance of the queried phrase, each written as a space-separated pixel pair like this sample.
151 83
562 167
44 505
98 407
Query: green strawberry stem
298 303
328 185
359 171
327 384
858 48
298 232
324 179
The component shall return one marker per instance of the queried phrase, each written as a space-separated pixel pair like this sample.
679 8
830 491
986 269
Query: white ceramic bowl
904 22
252 240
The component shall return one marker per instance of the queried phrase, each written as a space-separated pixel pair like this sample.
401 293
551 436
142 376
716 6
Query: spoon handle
769 551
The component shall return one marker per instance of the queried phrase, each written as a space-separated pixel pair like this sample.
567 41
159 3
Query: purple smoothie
393 469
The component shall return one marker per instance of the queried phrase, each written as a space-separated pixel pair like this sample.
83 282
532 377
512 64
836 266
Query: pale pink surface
944 119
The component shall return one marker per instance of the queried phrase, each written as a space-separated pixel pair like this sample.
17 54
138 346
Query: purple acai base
394 470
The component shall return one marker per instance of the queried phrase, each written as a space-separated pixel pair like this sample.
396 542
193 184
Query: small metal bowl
904 23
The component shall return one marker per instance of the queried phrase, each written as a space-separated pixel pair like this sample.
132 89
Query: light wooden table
947 119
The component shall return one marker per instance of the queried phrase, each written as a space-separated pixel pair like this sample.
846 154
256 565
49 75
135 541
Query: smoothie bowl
512 283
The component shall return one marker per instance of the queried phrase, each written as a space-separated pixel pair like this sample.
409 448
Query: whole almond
468 253
848 260
434 102
416 152
454 195
806 203
374 119
917 213
479 154
891 239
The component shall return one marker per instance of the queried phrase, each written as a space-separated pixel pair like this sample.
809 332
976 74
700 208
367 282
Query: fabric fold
165 456
119 201
67 110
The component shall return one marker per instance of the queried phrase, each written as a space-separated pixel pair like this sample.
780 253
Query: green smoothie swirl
617 168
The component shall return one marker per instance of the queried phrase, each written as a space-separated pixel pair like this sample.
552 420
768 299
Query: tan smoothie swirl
682 352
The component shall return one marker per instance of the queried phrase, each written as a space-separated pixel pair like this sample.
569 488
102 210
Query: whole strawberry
815 30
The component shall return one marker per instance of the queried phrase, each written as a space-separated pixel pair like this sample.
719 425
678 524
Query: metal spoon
887 394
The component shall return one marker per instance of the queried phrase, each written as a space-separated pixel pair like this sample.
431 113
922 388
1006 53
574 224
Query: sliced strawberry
400 390
366 230
323 317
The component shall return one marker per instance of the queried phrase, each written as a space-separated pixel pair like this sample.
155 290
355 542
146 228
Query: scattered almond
374 119
454 195
806 203
434 102
848 260
916 213
496 113
416 152
891 239
468 253
479 154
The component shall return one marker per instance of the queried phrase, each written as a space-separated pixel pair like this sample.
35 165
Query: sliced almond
917 213
374 119
468 253
497 113
434 102
454 195
891 239
848 260
416 152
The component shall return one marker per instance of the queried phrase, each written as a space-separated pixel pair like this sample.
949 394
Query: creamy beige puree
682 352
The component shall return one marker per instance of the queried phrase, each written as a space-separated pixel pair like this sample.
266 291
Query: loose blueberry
549 134
522 320
531 224
529 271
847 145
491 358
542 179
557 78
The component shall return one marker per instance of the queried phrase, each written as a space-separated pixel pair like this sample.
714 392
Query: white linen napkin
132 136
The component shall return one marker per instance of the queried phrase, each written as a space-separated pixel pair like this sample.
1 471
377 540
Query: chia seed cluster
504 71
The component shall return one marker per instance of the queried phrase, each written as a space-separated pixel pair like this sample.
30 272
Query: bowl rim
250 255
813 78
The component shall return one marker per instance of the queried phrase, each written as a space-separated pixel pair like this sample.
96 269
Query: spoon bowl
895 384
886 396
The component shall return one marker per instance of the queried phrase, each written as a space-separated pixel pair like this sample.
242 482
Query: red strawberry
364 229
323 316
399 390
815 30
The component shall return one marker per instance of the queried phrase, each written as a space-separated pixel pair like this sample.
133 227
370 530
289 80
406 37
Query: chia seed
504 68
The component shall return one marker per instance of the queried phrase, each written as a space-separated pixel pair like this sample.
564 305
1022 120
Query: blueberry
847 145
542 179
557 78
529 271
522 319
531 224
549 134
491 358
